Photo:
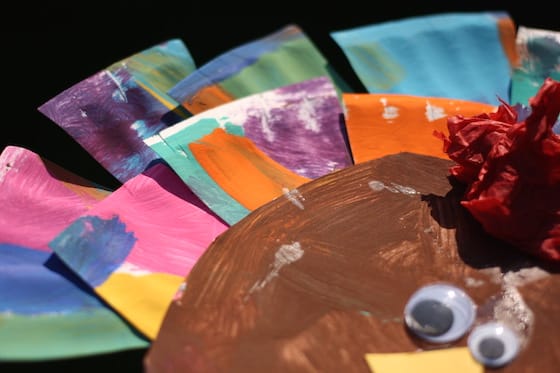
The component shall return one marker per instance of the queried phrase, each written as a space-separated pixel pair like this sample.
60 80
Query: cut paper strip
110 113
46 312
284 57
136 246
383 124
466 56
539 58
457 359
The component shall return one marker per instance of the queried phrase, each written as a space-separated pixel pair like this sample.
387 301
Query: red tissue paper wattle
512 170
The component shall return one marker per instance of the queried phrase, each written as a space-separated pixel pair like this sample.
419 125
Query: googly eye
439 313
493 344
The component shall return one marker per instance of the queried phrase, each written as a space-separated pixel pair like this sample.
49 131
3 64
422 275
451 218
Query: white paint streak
509 307
286 254
378 186
136 125
294 196
525 276
514 312
515 278
132 269
332 165
389 112
122 94
434 112
179 293
306 113
473 283
265 125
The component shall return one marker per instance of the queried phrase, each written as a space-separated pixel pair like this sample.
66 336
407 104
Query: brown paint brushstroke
371 235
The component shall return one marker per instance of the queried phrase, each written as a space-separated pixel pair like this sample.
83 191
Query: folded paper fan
466 56
46 312
284 57
110 113
135 247
294 133
381 124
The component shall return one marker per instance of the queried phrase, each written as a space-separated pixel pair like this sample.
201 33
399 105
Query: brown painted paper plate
318 281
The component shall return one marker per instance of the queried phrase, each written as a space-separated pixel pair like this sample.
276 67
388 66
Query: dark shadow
123 361
344 131
55 264
476 247
171 187
176 115
61 174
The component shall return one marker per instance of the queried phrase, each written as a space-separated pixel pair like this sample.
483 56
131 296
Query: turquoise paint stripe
455 55
174 149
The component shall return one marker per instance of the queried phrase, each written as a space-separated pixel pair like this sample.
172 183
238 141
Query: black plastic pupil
432 317
491 348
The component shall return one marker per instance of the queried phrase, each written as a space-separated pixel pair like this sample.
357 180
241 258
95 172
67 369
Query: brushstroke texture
176 152
456 55
403 122
52 291
242 170
315 290
94 247
39 198
111 112
136 246
297 126
283 57
46 311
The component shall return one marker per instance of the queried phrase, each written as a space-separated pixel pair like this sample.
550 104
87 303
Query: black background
47 48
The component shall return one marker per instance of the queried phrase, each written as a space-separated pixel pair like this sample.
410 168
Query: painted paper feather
297 126
466 56
136 246
281 58
539 58
383 124
110 113
46 311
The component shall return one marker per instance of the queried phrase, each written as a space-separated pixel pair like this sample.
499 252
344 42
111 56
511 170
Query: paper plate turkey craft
440 55
111 112
409 242
380 267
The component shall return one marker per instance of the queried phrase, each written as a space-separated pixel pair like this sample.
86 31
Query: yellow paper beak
456 360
